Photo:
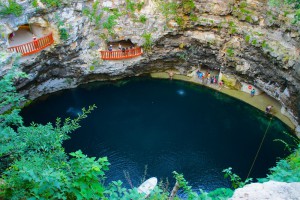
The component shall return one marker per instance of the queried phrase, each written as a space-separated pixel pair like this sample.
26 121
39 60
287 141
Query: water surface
168 126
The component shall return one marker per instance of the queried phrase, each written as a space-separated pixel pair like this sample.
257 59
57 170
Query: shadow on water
168 126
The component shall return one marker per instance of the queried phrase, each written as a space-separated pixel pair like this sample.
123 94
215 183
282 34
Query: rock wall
253 42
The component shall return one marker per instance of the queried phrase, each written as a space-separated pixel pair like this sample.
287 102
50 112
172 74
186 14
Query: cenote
166 126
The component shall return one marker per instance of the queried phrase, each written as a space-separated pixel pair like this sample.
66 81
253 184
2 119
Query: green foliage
220 193
168 8
130 6
93 14
92 68
92 44
64 35
143 19
35 3
184 185
12 8
52 3
293 3
147 46
230 52
248 19
232 27
264 44
236 181
243 4
254 42
140 5
247 38
179 21
188 6
286 170
111 22
193 17
34 163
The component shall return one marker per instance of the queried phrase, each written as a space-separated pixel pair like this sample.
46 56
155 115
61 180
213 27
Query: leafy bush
143 19
254 42
110 23
140 5
93 14
236 181
247 38
35 3
148 41
52 3
188 5
230 52
12 8
286 170
64 35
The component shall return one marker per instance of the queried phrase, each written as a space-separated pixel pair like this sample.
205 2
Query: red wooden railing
33 46
119 54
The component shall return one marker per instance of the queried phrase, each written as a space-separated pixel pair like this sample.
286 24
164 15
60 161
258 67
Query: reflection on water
147 122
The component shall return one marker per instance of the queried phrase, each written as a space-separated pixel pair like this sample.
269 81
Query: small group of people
123 49
206 77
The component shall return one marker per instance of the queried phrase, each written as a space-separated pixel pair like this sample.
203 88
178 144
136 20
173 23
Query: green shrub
64 35
188 5
92 68
254 42
139 6
193 17
179 21
243 4
12 8
52 3
220 193
93 14
143 19
264 44
248 19
148 41
230 52
236 181
92 44
130 6
247 38
35 3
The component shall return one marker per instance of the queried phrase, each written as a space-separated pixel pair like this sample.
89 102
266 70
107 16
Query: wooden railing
119 54
33 46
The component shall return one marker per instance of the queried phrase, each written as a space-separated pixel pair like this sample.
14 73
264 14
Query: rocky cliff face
253 43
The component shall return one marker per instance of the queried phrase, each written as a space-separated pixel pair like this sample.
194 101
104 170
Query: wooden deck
120 55
33 46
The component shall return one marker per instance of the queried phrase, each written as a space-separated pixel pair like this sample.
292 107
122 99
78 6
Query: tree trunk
174 191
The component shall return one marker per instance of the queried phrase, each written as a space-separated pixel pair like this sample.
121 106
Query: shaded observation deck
121 50
29 40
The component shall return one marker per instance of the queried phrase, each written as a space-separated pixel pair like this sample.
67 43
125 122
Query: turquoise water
166 126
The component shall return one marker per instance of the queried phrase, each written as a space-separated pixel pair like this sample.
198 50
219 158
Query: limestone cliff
253 42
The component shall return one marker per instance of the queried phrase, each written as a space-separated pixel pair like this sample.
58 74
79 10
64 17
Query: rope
262 141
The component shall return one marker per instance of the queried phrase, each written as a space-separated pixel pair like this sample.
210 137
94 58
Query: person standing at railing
110 48
35 41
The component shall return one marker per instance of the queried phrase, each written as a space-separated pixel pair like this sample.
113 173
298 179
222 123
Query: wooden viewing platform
33 46
120 55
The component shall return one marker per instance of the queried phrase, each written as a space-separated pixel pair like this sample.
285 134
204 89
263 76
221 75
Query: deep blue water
166 125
